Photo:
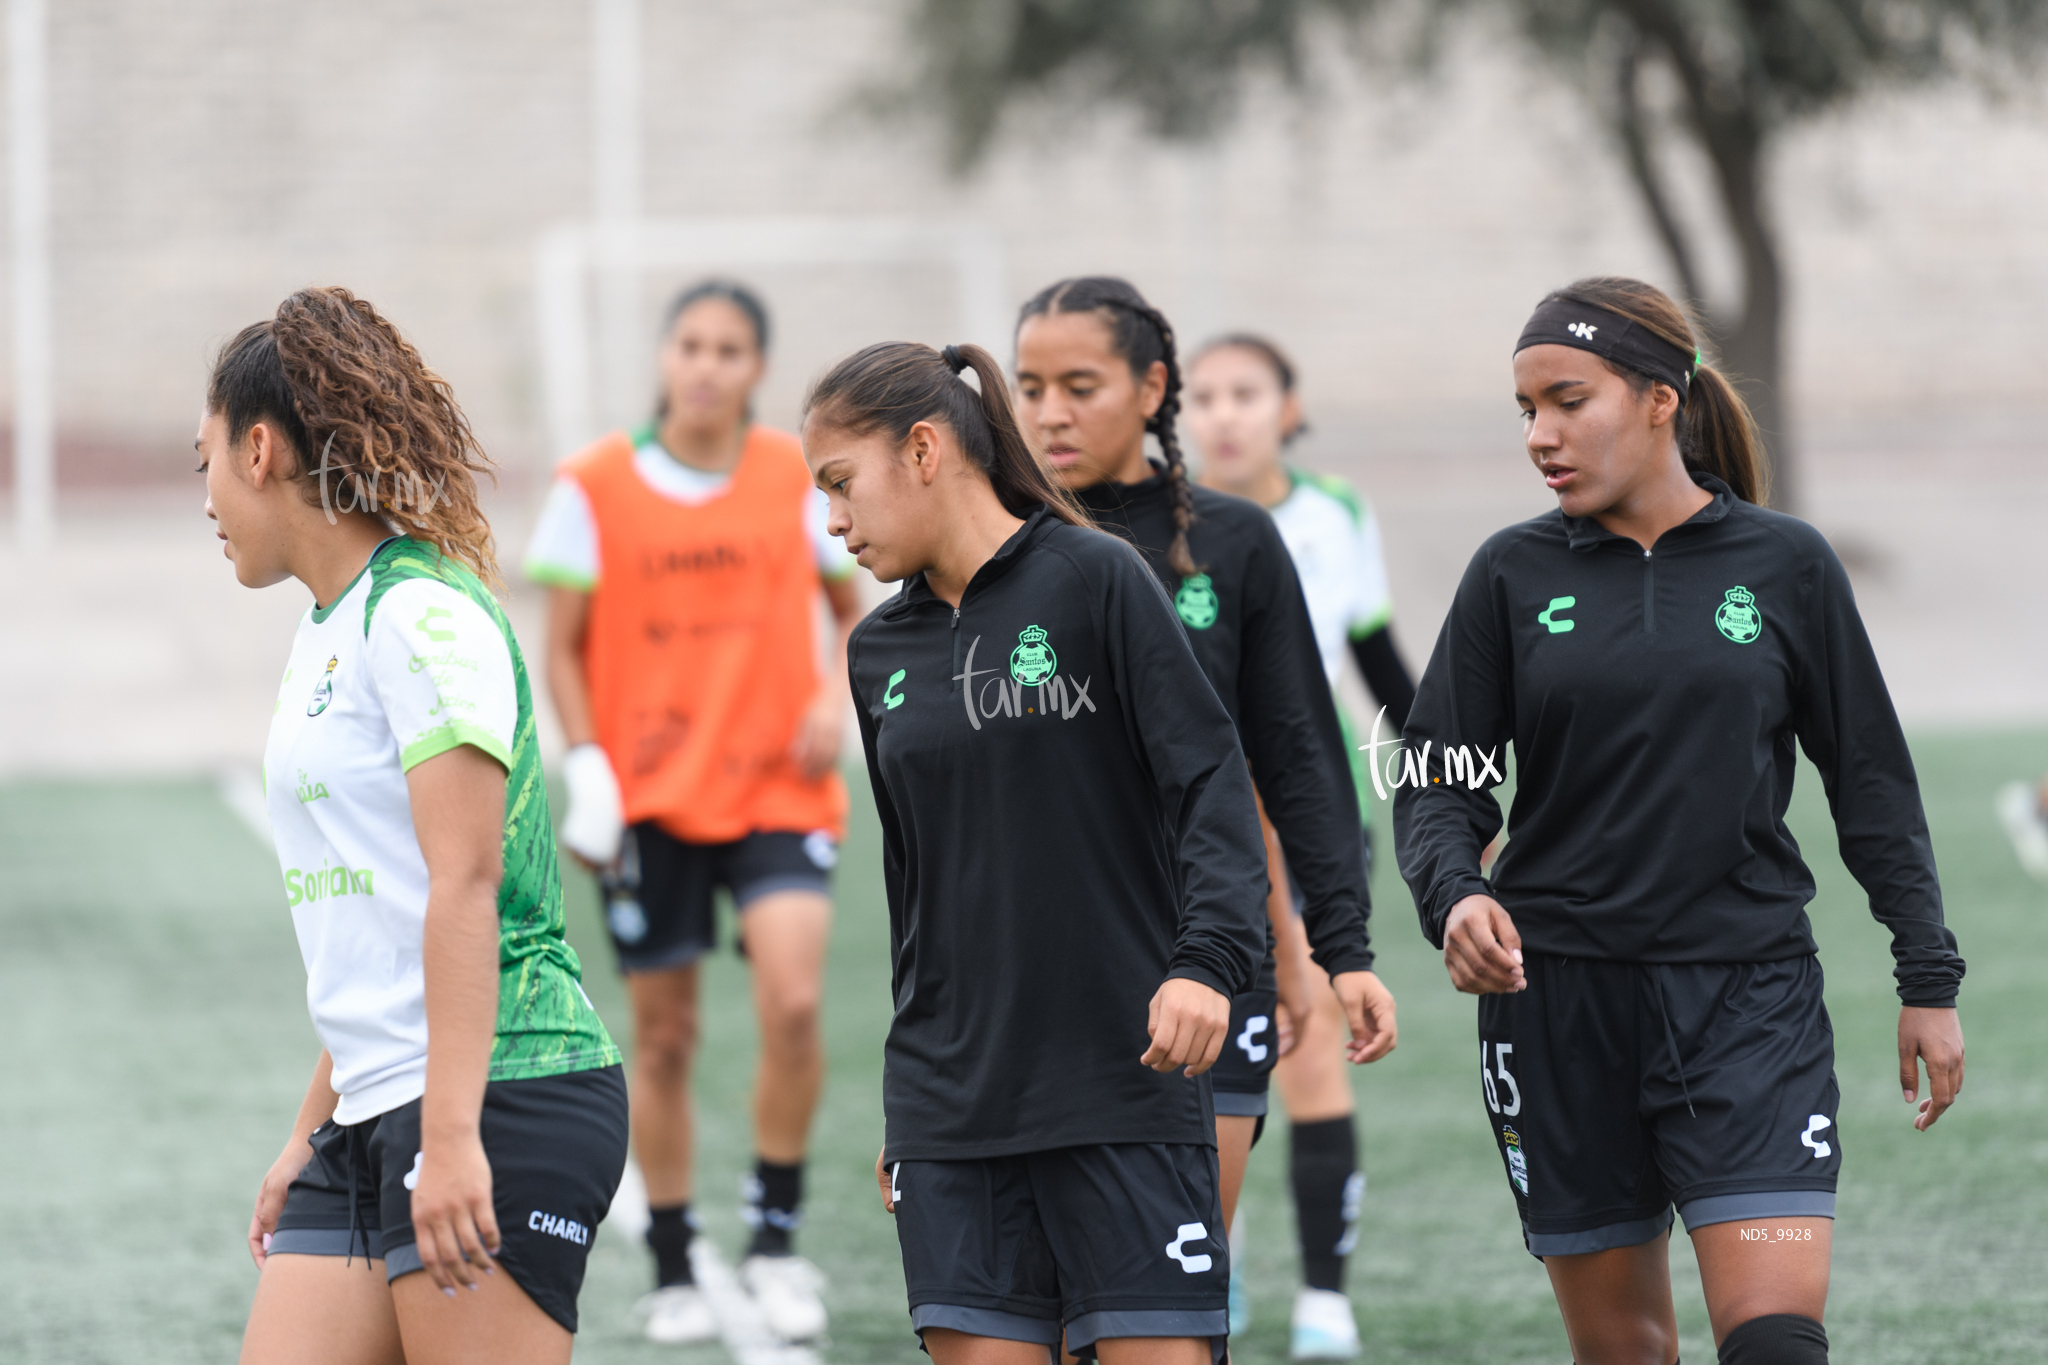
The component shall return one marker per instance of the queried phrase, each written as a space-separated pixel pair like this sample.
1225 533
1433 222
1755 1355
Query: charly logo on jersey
1033 661
323 691
1032 665
1196 602
891 698
1175 1250
1518 1165
425 625
1549 619
1737 617
1815 1123
309 790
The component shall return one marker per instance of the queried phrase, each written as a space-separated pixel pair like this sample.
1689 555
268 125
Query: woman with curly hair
467 1113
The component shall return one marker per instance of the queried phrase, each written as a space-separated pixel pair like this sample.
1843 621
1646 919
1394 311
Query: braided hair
1140 335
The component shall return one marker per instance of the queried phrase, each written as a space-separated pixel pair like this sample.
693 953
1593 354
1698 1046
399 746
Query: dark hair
734 293
1140 335
893 385
336 378
1268 351
1716 433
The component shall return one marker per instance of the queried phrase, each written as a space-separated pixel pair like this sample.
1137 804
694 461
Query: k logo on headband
1559 321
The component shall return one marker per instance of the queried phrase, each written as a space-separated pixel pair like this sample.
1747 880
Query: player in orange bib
684 563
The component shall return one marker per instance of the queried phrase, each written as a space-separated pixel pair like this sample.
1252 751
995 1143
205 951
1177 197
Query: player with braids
467 1113
1097 371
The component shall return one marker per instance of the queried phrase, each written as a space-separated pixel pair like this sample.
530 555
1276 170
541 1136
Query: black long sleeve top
1249 626
1653 699
1067 822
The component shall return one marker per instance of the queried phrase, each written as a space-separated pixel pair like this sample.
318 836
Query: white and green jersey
1335 541
413 659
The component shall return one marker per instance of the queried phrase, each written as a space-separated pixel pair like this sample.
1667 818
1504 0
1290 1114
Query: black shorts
1618 1089
658 895
1244 1069
1122 1240
556 1144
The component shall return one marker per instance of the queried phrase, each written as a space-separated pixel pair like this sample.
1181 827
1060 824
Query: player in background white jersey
1242 412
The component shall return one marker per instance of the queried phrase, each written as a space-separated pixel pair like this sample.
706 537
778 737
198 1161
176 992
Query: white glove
596 819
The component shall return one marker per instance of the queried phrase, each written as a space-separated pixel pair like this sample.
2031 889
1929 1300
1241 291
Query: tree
1744 71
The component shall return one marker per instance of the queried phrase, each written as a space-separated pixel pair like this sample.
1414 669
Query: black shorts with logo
1244 1069
557 1147
1117 1240
1618 1089
658 896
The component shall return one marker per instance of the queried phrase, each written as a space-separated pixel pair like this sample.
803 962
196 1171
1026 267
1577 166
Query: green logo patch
1032 661
1549 620
1196 602
1737 616
432 632
323 691
890 698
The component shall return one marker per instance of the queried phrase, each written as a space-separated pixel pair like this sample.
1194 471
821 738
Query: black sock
1328 1189
668 1235
1776 1339
772 1195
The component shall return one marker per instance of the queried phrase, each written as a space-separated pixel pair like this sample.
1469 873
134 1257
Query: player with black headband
1651 1028
1096 372
1074 872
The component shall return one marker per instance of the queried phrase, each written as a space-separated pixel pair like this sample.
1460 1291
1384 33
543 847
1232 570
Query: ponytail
1716 433
890 387
1140 335
372 429
1718 436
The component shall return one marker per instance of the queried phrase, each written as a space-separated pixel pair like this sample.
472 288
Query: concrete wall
211 156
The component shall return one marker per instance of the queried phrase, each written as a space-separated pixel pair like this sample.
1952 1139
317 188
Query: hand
1294 974
1286 1033
1482 949
270 1195
1935 1036
595 821
1187 1023
888 1185
451 1211
819 735
1369 1011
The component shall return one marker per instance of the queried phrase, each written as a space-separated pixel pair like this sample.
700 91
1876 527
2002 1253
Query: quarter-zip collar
1122 499
917 591
1586 533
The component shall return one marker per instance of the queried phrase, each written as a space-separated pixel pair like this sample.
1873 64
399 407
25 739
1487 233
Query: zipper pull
956 619
1646 554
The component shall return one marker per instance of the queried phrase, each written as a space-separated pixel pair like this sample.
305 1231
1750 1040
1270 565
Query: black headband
1562 322
954 360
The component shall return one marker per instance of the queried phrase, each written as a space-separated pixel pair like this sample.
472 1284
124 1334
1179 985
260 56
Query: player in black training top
1096 371
1075 879
1651 1030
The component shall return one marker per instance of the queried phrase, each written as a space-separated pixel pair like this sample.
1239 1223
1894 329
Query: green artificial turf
158 1045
